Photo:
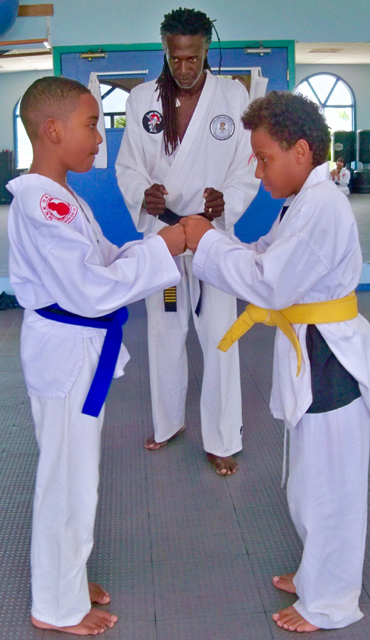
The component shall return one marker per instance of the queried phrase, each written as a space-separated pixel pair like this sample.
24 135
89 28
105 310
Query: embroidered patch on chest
54 209
222 127
153 122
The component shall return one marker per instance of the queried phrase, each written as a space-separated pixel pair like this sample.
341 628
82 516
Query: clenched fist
214 203
174 238
195 228
154 201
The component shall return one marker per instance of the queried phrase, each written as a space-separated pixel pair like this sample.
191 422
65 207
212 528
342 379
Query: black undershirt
332 385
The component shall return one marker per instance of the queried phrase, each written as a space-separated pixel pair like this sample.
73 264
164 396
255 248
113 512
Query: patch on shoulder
54 209
222 127
153 122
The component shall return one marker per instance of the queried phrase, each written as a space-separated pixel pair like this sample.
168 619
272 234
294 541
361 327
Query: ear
53 130
303 152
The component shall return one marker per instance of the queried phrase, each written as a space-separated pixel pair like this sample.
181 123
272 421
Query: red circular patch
55 209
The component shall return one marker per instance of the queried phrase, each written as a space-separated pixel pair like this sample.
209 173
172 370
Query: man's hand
214 203
195 228
154 201
174 238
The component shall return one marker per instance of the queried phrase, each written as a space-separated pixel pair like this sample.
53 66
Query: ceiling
40 59
332 53
25 58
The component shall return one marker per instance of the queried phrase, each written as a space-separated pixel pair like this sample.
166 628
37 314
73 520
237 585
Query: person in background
341 176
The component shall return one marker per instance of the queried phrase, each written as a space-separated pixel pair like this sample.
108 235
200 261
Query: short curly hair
287 118
186 22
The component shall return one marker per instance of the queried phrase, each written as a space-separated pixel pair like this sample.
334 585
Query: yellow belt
310 313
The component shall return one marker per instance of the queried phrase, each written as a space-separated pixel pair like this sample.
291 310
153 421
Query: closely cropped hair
183 22
49 97
287 118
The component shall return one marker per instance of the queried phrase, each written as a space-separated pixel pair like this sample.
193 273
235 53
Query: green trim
155 46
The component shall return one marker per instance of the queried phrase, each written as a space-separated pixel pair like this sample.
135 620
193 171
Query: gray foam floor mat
184 553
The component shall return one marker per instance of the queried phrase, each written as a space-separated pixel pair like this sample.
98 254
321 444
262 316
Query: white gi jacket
311 256
58 254
343 181
197 162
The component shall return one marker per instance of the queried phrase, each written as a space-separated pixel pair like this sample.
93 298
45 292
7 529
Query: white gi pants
220 403
65 500
327 496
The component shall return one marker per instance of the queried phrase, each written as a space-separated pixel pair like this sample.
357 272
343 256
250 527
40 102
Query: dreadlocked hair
184 22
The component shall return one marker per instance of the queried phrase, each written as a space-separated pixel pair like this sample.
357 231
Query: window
114 105
22 144
335 98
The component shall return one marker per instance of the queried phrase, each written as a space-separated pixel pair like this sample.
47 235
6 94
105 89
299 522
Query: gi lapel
174 178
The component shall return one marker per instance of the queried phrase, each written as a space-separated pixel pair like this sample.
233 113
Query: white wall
357 76
132 21
12 87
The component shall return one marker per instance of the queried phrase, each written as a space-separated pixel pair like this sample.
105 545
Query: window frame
324 105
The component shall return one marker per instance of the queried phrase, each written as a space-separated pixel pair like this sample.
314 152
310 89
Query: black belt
169 295
170 217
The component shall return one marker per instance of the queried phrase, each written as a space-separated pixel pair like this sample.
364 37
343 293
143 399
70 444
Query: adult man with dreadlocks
184 150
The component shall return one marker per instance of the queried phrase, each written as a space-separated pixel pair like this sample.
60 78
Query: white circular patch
55 209
222 127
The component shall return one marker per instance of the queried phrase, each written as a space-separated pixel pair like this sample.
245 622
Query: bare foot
94 622
291 620
285 582
152 445
223 466
98 594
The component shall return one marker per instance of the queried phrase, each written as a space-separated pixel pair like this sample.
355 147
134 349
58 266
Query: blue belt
113 322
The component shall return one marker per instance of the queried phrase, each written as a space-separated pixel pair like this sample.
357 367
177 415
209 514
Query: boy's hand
154 201
174 238
195 228
214 203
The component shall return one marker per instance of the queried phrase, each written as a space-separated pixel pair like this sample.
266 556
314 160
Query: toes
221 471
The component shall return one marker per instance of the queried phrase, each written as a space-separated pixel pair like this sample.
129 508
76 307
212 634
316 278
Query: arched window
22 144
335 98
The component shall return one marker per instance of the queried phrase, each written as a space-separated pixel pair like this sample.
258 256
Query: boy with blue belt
72 284
301 277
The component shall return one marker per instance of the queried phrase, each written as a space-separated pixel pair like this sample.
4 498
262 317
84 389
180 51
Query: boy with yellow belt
301 277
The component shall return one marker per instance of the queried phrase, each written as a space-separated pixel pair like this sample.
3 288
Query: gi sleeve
275 279
80 279
132 176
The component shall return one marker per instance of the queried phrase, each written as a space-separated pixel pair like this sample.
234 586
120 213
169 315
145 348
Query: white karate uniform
312 255
343 181
58 254
215 152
